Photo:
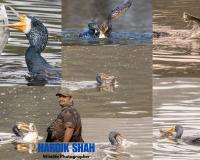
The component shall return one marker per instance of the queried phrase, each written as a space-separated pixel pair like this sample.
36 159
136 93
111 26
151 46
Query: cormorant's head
176 131
179 131
93 27
35 31
115 138
99 79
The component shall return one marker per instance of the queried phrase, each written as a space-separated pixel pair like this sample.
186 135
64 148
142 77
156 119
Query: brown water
178 54
39 105
176 78
138 132
131 65
12 61
176 101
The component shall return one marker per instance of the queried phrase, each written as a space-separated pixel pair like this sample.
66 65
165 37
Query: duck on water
175 133
40 71
103 29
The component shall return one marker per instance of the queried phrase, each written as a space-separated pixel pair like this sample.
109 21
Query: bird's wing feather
119 10
116 12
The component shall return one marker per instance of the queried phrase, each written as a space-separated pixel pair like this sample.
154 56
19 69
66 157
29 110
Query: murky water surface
12 61
176 54
176 83
131 65
39 105
176 101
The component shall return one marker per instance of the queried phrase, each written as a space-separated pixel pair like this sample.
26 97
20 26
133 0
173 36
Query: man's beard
65 104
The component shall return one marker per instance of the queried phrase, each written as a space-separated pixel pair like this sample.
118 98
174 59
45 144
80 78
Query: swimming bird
104 79
105 82
195 21
103 29
25 133
177 132
115 138
37 34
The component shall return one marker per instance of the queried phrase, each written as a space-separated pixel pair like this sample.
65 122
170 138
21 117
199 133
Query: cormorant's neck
32 55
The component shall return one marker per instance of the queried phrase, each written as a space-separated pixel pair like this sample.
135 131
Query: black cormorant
115 138
26 133
177 132
104 79
39 69
103 29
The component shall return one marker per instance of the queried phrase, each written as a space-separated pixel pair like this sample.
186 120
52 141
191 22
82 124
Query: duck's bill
21 25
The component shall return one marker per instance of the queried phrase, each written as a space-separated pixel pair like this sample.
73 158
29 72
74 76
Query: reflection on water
176 102
75 20
131 65
39 105
177 54
12 61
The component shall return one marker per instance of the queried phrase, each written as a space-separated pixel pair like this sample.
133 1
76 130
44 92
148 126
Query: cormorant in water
103 29
177 132
115 138
29 136
104 79
39 69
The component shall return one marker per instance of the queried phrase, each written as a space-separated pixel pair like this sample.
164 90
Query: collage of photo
99 79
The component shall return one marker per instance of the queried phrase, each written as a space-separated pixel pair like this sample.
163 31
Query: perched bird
177 132
103 29
39 69
25 133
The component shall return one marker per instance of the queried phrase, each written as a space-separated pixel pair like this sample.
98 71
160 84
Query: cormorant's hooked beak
171 130
23 127
119 139
21 25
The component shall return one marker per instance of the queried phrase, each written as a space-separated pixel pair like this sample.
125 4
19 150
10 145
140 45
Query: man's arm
68 134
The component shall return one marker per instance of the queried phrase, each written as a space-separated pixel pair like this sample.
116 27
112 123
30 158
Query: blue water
120 38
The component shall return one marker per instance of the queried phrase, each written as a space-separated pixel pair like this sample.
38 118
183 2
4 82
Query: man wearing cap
67 127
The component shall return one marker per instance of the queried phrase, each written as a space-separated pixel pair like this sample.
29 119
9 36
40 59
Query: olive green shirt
67 118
